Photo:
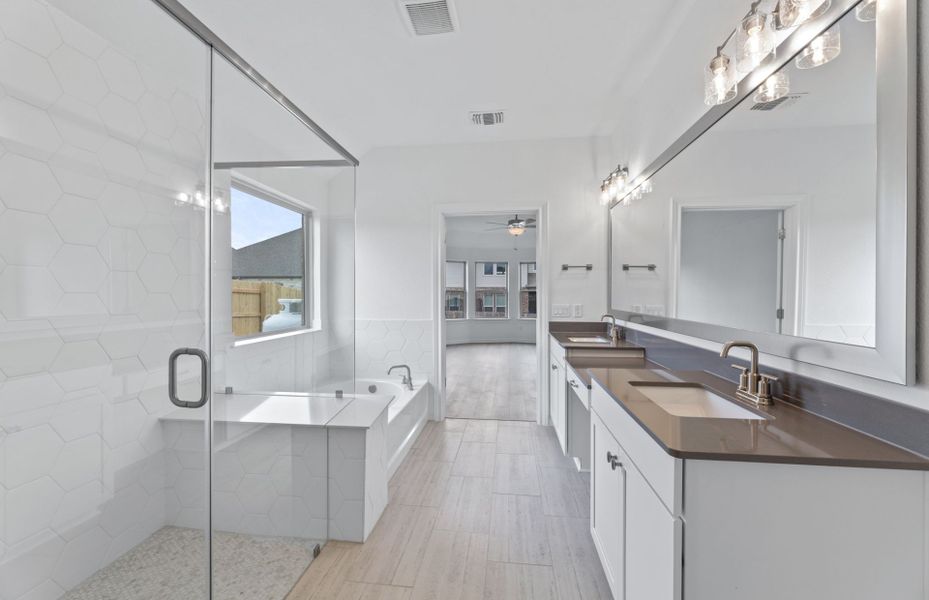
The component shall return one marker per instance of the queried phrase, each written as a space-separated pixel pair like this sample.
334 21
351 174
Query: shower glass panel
282 298
104 117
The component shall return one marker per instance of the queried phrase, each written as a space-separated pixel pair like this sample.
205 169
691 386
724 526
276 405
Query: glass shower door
104 115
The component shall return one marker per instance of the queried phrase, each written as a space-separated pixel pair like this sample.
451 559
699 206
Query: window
455 289
490 290
270 242
527 290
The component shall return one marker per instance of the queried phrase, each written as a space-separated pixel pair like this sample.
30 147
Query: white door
653 543
731 268
608 497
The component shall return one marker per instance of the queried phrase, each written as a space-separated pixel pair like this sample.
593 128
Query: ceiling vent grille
487 118
782 102
428 18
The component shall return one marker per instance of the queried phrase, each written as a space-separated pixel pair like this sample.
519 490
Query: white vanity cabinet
637 537
759 530
557 392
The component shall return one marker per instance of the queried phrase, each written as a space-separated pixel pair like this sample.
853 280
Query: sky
255 220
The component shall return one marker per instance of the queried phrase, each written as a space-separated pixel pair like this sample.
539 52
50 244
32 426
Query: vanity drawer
578 385
662 471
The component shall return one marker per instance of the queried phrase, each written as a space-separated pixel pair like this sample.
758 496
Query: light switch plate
578 310
561 310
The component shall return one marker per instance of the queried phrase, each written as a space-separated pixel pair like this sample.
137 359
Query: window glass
455 289
490 290
268 263
527 290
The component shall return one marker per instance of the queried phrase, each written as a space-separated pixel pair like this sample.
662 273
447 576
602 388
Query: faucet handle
764 386
743 377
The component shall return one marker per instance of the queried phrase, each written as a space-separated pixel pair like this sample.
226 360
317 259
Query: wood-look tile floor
491 381
478 510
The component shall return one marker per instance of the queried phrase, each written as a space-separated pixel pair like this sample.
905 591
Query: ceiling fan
514 226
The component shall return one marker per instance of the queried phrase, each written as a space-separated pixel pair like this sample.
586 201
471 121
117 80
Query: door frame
796 218
440 213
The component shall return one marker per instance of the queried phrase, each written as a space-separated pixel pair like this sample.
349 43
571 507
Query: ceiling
353 66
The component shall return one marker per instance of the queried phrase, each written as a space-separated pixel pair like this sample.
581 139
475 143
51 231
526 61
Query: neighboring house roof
277 257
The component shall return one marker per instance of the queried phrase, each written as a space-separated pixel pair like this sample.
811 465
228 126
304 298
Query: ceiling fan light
516 230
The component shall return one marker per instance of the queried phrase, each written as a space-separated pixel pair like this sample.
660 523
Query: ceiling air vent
428 18
487 118
782 102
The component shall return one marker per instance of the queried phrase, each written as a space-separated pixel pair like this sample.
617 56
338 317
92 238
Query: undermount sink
589 340
692 400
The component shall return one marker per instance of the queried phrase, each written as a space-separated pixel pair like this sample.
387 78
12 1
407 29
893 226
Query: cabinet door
653 543
608 497
558 402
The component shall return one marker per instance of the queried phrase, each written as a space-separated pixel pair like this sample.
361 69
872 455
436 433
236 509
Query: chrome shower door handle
204 377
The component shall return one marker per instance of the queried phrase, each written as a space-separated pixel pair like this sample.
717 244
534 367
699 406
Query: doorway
490 295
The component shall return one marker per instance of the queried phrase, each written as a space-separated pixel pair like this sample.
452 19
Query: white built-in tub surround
276 455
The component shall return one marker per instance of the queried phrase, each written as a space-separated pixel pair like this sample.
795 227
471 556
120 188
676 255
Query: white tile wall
382 343
100 277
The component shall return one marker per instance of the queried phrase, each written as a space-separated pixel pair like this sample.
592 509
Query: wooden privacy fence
253 301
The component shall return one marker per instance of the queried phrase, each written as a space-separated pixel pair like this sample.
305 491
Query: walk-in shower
156 201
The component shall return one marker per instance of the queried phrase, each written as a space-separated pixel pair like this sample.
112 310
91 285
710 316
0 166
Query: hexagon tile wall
101 275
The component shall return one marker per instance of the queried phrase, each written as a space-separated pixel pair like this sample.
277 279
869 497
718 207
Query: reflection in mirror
767 222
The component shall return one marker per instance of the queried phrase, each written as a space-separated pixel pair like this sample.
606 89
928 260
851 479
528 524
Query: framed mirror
786 216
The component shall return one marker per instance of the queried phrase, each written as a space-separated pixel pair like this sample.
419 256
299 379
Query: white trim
267 337
439 214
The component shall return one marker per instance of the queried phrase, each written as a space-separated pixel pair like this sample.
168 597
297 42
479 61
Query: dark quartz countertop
788 434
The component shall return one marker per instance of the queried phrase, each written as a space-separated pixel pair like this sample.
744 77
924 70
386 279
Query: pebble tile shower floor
170 564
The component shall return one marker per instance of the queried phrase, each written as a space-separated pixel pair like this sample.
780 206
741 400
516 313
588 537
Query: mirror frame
893 358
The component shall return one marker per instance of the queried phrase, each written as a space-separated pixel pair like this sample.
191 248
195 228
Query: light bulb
182 197
774 87
719 80
866 11
613 188
824 48
754 40
604 194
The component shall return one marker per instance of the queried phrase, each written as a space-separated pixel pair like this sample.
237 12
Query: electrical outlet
561 310
578 311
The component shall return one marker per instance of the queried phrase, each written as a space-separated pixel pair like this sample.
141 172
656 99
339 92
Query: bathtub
407 414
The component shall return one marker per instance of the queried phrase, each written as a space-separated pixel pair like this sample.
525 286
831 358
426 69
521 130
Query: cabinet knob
554 367
613 460
572 383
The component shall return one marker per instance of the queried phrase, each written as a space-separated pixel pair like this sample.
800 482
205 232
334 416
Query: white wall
667 100
401 190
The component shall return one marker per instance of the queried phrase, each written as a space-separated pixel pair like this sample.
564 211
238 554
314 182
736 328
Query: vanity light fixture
605 192
614 186
866 11
792 13
719 80
754 39
823 49
774 87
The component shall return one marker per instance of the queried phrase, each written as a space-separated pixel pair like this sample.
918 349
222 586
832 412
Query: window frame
521 288
310 284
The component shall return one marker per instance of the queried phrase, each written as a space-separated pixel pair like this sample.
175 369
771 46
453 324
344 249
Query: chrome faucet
407 379
614 331
753 386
